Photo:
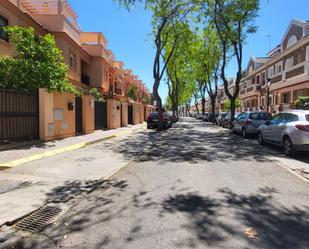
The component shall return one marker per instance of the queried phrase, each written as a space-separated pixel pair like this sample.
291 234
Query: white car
290 130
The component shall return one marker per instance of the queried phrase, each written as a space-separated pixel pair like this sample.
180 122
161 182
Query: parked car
220 117
199 116
170 115
247 123
212 117
225 122
153 120
290 130
205 116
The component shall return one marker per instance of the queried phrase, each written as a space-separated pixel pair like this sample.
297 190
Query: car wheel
287 147
244 133
260 138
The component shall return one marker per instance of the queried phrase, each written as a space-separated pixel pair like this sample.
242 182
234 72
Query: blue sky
128 32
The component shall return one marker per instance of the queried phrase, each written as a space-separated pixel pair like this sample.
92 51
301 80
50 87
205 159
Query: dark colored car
153 120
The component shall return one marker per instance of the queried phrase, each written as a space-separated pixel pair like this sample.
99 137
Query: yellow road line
46 154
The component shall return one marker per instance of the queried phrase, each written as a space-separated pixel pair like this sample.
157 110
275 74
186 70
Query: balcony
54 15
95 44
118 91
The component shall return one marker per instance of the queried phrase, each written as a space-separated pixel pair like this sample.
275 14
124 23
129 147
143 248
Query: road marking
54 152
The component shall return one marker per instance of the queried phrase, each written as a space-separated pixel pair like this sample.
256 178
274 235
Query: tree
38 64
227 104
207 54
132 92
302 103
165 14
233 21
178 70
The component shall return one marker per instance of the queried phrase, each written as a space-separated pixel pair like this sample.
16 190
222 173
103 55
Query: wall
113 114
88 114
56 121
137 111
46 105
66 126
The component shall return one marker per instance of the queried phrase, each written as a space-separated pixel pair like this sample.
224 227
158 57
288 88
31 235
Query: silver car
290 130
247 123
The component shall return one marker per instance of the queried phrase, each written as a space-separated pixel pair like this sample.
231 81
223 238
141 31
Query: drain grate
38 219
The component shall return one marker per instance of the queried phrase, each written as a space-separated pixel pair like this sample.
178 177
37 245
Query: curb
17 162
282 165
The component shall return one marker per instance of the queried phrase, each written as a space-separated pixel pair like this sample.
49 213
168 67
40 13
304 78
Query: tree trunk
196 106
213 107
159 103
233 100
203 105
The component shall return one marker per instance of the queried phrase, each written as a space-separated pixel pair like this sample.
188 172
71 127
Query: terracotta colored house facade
91 65
283 75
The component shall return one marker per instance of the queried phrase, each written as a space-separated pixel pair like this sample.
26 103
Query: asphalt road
193 186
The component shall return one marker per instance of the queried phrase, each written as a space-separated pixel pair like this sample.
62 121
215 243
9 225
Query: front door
78 115
130 114
100 117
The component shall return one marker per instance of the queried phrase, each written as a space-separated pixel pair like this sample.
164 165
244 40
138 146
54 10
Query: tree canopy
38 63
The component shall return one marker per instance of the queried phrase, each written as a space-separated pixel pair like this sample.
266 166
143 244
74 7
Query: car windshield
260 116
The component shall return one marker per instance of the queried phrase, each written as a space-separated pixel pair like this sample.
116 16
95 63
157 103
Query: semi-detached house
91 65
283 75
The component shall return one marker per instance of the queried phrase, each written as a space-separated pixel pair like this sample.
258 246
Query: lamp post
268 86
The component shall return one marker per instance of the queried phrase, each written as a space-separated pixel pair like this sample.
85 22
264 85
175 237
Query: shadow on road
210 221
187 143
277 226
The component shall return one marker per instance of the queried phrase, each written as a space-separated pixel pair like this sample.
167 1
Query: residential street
192 186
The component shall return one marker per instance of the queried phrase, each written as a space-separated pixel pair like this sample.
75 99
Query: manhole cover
38 219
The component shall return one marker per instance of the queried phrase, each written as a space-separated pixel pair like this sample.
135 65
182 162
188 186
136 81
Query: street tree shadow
99 209
277 226
187 143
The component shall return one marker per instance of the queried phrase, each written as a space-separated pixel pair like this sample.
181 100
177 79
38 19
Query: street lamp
268 86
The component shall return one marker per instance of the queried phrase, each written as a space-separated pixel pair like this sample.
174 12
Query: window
3 23
270 71
258 79
289 62
260 116
263 79
286 98
277 119
292 118
278 68
298 59
292 40
72 60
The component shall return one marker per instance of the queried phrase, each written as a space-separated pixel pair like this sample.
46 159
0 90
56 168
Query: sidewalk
20 155
57 178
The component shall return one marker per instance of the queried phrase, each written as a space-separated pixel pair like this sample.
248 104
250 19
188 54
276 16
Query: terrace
55 15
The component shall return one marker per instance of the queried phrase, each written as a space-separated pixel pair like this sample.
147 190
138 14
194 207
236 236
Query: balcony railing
118 91
85 79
